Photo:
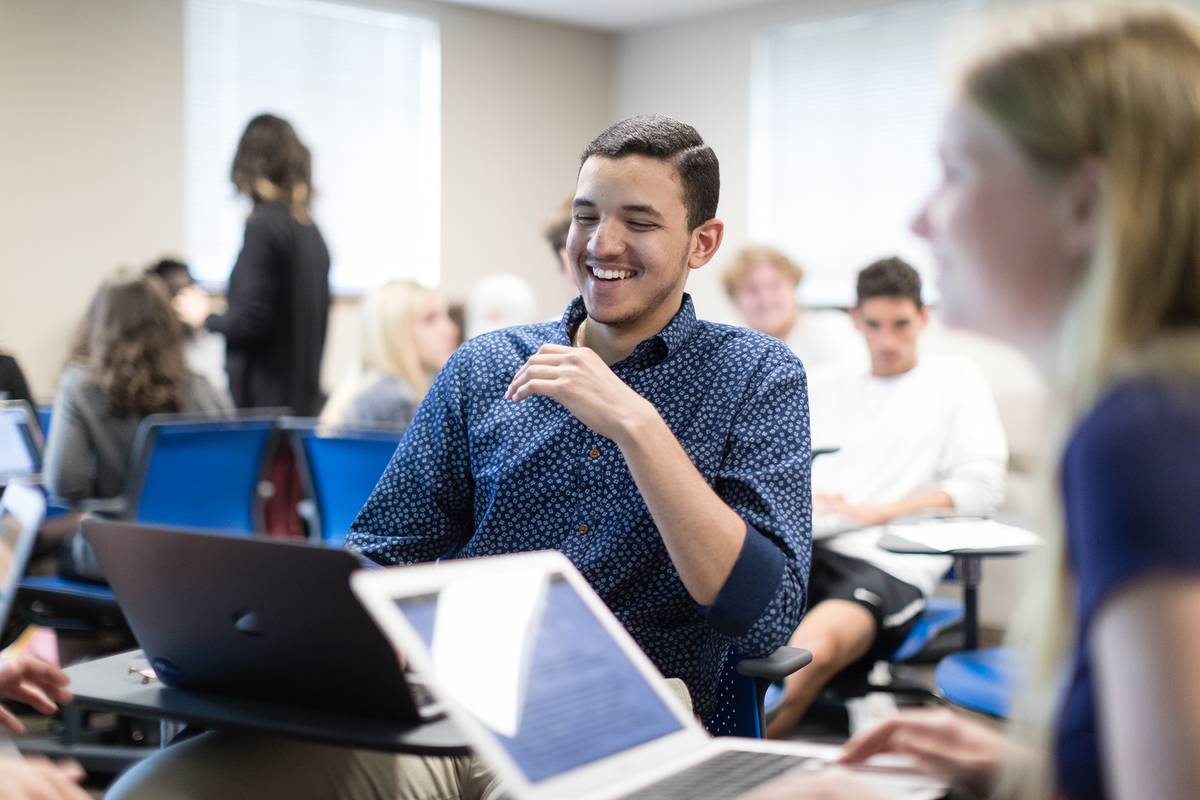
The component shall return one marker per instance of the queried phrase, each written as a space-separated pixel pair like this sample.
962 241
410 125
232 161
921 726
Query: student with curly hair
126 363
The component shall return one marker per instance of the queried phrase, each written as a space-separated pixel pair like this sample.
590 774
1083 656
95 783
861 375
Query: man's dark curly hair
889 277
673 141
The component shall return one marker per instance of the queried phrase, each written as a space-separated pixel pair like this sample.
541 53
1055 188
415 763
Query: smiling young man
916 434
666 456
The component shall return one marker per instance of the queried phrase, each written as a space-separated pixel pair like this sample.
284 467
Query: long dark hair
273 165
132 345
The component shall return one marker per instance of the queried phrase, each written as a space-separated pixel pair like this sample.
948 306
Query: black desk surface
109 684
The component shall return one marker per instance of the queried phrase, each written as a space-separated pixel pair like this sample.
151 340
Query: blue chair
339 468
747 684
981 680
940 614
188 470
44 413
199 472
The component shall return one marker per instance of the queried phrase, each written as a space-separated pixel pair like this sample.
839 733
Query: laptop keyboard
724 776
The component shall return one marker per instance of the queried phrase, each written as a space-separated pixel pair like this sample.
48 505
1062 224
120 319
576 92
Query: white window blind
362 89
845 119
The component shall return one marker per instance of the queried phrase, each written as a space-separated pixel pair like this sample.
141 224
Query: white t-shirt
934 427
824 338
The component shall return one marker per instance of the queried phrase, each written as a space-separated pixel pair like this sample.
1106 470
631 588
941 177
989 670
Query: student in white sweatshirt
915 435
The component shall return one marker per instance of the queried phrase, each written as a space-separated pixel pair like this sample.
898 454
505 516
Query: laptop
251 617
21 511
20 442
550 690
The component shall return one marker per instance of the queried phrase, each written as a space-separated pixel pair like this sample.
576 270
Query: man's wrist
638 424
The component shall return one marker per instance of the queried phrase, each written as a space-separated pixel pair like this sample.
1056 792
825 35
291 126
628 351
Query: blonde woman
1068 220
407 335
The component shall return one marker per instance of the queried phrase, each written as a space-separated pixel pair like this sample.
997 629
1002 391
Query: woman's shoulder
73 377
1136 415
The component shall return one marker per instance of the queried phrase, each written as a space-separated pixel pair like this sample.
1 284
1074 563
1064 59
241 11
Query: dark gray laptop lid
251 617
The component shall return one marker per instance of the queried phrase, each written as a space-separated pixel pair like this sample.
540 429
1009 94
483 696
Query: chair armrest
777 666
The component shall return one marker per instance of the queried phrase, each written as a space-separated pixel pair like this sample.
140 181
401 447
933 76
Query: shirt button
583 527
594 452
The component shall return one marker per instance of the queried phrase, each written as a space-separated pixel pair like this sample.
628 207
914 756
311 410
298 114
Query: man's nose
607 241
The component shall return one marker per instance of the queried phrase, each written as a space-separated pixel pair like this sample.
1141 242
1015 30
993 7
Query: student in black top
278 296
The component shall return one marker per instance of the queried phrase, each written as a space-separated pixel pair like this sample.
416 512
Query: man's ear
706 240
856 319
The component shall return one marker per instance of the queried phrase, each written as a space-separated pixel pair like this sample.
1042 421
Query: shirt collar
650 351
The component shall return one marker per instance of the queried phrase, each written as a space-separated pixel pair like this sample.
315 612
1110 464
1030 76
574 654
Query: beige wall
91 158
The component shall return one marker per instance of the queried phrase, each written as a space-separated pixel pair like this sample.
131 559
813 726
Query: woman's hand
943 743
33 682
800 784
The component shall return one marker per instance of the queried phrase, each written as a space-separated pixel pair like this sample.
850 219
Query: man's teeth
611 274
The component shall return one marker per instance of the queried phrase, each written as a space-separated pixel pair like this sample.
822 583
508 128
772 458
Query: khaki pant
231 766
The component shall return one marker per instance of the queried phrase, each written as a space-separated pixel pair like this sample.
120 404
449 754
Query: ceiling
612 15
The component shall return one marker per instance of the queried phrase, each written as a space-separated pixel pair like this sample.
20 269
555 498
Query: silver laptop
552 692
20 442
21 511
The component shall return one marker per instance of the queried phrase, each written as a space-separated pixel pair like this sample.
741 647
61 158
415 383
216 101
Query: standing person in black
278 296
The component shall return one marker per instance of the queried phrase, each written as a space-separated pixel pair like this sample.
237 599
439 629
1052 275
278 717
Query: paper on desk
956 535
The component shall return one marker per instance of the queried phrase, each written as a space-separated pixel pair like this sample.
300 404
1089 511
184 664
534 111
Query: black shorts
894 604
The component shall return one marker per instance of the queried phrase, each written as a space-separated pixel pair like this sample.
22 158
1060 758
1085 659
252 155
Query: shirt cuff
752 584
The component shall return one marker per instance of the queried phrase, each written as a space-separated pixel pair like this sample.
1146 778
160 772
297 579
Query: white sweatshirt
934 427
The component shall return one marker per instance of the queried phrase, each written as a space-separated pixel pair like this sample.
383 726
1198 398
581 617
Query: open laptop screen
19 451
526 656
21 511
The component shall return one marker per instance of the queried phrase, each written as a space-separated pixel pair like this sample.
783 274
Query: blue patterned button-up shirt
477 474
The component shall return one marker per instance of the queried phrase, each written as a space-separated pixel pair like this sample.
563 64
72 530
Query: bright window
363 90
844 125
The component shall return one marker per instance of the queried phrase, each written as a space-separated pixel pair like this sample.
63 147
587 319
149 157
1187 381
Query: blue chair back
44 412
340 467
201 473
20 441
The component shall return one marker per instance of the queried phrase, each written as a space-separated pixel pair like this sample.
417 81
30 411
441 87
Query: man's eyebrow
633 208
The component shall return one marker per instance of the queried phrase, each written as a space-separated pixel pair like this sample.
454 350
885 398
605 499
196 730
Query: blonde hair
1121 87
750 257
388 345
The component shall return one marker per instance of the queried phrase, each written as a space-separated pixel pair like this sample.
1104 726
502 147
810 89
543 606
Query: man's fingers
529 373
31 694
9 721
538 386
45 673
71 770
